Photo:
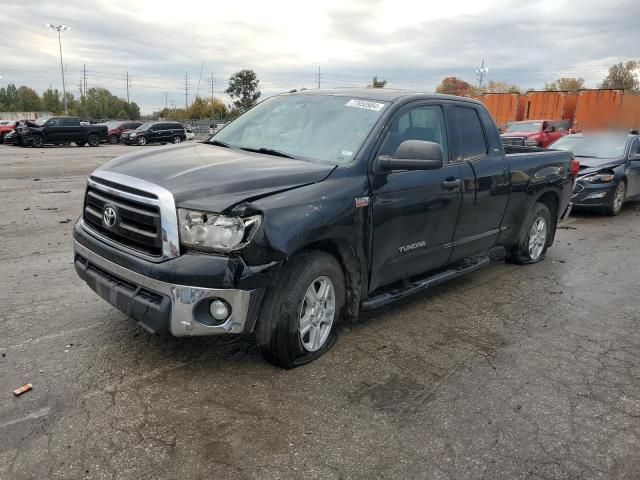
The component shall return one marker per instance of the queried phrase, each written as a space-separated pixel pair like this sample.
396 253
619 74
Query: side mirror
550 129
411 155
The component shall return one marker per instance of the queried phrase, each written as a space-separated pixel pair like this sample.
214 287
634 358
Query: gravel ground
511 372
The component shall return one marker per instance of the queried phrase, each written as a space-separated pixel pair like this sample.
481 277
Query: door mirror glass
412 155
550 129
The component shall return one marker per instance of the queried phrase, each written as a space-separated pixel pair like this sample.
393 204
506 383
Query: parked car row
67 130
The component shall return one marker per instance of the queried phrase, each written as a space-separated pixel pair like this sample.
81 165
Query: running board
462 268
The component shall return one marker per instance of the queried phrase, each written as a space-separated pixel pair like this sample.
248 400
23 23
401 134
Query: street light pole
61 28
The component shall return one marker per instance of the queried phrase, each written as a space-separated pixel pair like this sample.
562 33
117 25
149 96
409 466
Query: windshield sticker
376 107
346 153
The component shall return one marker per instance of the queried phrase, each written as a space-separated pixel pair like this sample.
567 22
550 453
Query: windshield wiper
268 151
217 143
588 156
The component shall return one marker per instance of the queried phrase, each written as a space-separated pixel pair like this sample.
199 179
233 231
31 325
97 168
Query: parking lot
511 372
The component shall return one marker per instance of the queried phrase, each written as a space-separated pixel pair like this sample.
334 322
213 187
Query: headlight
531 142
603 177
212 232
133 135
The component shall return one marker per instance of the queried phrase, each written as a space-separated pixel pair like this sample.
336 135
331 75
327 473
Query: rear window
472 141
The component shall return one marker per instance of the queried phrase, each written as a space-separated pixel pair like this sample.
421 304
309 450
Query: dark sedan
609 169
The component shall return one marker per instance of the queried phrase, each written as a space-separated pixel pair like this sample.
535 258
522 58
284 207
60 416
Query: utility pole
480 73
186 90
84 79
319 76
61 28
165 99
212 81
127 87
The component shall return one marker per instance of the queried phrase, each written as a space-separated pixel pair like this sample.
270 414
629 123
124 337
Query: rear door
72 131
485 176
414 212
156 132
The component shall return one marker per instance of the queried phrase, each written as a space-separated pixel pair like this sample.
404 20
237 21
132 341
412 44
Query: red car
6 126
534 133
116 129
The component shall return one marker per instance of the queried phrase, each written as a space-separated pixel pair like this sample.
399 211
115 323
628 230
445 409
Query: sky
411 44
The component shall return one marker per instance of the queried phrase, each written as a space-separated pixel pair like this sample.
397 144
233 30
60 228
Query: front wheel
617 200
113 139
534 239
298 318
37 141
93 140
141 141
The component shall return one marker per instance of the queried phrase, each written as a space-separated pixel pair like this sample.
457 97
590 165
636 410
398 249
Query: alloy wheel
316 315
537 238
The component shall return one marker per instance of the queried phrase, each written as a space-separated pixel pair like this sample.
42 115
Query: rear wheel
299 315
534 239
617 200
113 139
141 141
93 140
177 139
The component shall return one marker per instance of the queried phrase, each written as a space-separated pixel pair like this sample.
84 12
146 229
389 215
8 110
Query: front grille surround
148 224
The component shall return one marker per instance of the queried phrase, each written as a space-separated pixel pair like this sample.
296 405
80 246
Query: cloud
412 44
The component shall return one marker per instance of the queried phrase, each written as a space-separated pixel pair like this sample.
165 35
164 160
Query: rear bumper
162 307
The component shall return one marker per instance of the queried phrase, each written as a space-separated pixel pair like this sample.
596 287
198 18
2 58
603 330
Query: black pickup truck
310 207
61 130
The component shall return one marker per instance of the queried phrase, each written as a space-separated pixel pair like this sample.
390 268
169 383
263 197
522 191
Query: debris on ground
36 179
28 208
566 227
24 388
54 191
65 221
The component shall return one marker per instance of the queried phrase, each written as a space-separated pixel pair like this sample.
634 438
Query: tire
141 141
280 337
534 239
113 139
93 140
617 199
37 141
177 139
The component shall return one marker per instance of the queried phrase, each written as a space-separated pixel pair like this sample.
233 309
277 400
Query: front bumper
586 195
162 307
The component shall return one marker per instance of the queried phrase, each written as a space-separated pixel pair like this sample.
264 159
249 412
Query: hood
520 134
592 165
215 178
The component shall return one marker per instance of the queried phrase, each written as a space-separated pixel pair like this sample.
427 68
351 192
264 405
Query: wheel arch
551 200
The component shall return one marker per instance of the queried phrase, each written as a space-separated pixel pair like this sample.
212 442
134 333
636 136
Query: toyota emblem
109 216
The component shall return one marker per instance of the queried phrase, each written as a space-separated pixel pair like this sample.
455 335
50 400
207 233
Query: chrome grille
146 222
516 141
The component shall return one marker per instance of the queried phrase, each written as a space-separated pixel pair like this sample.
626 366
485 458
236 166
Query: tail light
574 166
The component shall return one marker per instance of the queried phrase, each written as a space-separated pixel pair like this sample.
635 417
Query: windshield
596 146
144 127
322 127
41 121
524 127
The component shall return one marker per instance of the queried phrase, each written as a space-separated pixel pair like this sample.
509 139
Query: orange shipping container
550 106
505 108
601 109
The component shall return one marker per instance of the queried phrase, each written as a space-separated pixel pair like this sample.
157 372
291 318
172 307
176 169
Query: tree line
96 103
620 76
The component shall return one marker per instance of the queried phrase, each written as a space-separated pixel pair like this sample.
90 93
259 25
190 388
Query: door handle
451 183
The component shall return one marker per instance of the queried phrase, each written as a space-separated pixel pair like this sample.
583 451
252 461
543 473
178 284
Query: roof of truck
381 94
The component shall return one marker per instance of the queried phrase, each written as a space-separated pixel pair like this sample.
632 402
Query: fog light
219 309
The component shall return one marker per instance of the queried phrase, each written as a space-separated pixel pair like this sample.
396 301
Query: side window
420 123
156 127
54 122
472 140
70 122
635 147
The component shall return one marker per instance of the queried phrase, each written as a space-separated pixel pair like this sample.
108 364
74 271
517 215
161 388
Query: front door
414 212
633 172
